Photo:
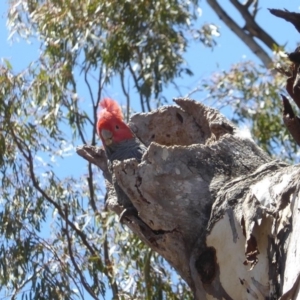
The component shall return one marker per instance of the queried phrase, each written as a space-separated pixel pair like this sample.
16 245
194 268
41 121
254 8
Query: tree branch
82 278
291 17
96 156
137 87
252 27
126 94
248 3
246 38
109 268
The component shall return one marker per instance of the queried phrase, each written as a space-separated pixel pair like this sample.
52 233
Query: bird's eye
117 127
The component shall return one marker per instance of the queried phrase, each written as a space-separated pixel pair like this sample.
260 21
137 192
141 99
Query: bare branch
96 156
109 268
77 121
248 3
91 188
291 17
255 9
137 86
82 278
253 28
148 103
247 38
95 107
126 94
86 71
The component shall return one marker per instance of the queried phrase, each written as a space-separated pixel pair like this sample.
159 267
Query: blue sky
201 60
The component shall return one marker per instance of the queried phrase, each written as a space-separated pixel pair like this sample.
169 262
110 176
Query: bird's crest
110 109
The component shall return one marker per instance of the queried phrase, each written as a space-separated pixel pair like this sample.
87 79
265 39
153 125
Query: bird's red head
111 127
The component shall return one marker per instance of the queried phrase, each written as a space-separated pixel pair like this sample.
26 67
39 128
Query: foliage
146 39
82 43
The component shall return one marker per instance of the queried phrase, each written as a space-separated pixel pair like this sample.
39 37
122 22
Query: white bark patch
236 277
261 191
292 266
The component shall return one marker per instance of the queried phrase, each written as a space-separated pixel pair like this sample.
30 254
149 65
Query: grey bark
210 201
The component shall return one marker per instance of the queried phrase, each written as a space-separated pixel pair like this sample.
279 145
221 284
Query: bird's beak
106 136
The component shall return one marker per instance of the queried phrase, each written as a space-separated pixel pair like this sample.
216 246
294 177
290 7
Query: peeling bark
291 121
211 202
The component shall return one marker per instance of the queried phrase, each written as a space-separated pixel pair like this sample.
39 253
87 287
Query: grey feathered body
132 148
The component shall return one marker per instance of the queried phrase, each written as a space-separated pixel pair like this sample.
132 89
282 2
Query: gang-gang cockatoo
119 143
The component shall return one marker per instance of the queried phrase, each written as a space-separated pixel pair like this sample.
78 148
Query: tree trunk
211 202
